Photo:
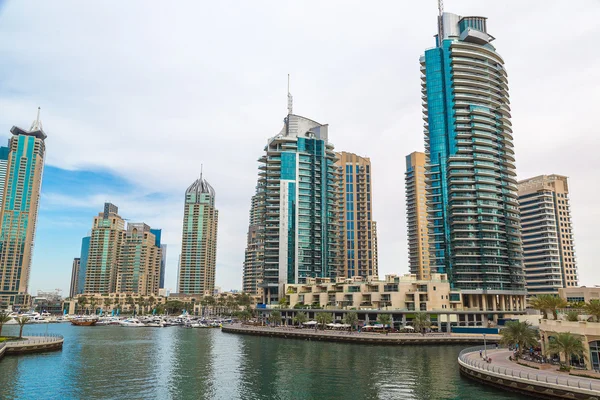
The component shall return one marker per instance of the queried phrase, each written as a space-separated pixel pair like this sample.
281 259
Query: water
176 363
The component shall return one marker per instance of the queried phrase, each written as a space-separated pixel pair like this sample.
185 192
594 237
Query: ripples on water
177 363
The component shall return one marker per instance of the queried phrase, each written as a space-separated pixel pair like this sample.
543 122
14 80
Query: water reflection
177 363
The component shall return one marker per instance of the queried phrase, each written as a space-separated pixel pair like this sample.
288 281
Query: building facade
104 249
255 247
416 215
20 203
3 165
83 257
163 262
139 261
548 244
358 231
298 182
474 224
579 294
74 277
198 257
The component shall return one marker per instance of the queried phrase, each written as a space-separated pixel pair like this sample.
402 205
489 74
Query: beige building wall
416 215
138 267
548 243
359 237
581 293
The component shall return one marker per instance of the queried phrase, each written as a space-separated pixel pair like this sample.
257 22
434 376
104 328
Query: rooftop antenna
37 124
290 100
201 168
440 22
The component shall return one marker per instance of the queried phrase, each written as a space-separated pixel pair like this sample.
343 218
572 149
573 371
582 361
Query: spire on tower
289 95
440 22
37 124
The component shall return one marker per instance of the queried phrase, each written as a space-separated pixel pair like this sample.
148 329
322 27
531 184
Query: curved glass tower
473 215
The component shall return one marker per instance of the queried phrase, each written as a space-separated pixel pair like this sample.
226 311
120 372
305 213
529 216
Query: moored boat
84 321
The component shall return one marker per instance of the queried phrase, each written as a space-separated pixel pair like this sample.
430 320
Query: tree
107 303
572 316
275 317
82 301
555 303
519 334
540 303
300 318
568 345
351 319
593 309
244 315
93 304
385 320
421 322
4 318
22 321
324 319
283 303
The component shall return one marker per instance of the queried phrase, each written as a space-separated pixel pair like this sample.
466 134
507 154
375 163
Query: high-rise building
416 215
474 232
163 262
199 242
548 243
139 261
255 247
3 165
74 277
106 240
358 257
20 203
83 258
298 182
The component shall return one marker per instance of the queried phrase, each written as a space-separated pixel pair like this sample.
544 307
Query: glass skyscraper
20 203
473 214
298 184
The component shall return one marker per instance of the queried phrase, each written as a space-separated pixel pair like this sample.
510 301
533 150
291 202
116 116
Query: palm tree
324 319
22 321
421 322
572 316
300 318
554 303
275 317
130 301
283 302
568 345
107 303
4 318
82 301
385 320
540 303
93 304
351 319
593 309
519 334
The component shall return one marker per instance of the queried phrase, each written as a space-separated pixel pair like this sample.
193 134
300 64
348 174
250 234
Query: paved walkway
501 364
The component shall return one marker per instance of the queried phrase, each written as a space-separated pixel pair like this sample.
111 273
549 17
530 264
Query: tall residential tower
19 210
547 234
416 215
198 257
358 231
474 232
255 247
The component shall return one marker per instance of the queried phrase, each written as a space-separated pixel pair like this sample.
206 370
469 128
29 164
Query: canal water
177 363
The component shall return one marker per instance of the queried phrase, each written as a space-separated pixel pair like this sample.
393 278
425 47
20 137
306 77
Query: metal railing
546 378
36 339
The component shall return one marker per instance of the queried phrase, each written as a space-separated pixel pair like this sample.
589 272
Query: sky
137 95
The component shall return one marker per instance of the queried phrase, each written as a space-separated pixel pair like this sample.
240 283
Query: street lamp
484 346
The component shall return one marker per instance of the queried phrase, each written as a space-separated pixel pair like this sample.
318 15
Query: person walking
480 353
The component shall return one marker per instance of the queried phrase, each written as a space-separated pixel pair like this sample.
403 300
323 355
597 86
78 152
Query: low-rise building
588 331
580 294
107 302
405 293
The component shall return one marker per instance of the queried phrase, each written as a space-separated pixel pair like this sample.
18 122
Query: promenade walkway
503 372
289 332
33 344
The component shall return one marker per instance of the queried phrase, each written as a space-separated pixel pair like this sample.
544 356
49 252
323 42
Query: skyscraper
83 258
254 254
74 277
199 241
139 261
20 203
163 263
104 249
475 234
3 165
548 242
298 182
358 234
416 215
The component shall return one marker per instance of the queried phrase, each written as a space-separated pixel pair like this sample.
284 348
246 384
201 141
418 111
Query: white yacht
132 323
